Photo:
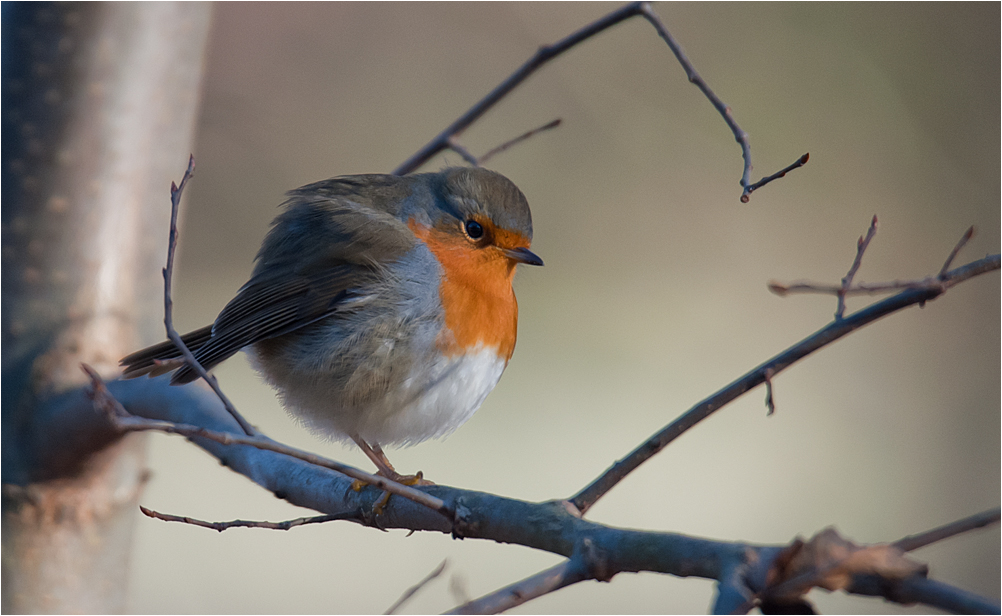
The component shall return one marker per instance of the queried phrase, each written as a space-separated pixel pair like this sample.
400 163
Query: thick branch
126 422
598 550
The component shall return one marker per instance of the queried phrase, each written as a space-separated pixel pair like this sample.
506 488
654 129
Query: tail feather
164 357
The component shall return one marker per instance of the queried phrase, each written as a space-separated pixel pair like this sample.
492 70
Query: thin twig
460 149
457 588
221 526
978 520
861 244
544 582
966 237
526 135
168 271
587 497
128 422
446 139
800 162
862 288
725 111
410 592
543 55
942 280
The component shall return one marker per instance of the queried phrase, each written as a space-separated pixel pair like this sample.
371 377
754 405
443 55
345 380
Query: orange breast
476 293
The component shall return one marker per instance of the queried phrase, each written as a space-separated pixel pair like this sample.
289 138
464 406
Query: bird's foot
407 480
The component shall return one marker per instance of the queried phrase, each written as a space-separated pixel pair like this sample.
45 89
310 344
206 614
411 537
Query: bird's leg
375 453
378 458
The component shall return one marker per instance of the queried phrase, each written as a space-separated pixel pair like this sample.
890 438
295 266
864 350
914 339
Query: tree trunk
98 111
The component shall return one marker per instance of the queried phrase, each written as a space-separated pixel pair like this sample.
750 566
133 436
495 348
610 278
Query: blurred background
654 291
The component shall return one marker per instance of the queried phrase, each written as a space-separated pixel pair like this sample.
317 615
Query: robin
381 307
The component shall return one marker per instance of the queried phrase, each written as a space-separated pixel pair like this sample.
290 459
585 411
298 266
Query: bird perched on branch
381 307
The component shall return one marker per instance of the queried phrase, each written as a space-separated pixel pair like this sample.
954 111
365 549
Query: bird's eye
474 229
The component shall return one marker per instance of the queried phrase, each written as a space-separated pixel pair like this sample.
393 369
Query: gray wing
325 255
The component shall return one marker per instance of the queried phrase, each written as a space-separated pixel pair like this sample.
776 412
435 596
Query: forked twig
172 335
413 590
221 526
861 246
940 280
587 497
723 109
127 422
447 138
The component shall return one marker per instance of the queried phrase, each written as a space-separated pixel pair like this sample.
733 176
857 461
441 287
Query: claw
407 480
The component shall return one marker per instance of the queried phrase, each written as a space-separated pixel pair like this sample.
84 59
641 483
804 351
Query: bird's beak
522 255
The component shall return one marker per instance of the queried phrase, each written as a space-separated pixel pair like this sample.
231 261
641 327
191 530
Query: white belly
433 399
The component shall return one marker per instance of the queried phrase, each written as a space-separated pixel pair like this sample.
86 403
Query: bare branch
862 288
541 57
554 526
926 591
447 138
126 422
587 497
221 526
413 590
175 201
725 111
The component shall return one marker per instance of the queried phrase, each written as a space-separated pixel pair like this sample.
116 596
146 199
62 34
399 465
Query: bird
380 307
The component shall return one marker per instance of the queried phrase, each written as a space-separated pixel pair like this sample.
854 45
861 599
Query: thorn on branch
770 402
